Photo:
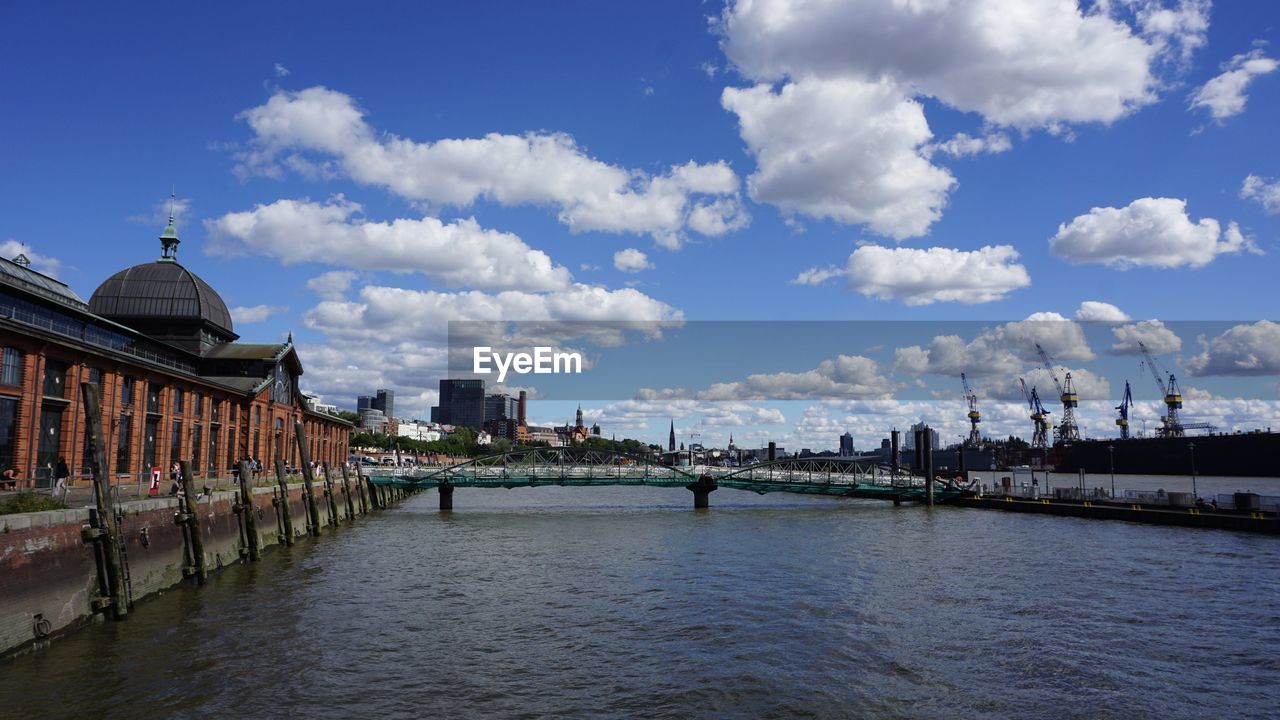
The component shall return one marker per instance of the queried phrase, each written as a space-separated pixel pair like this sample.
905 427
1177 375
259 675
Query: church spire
671 439
169 238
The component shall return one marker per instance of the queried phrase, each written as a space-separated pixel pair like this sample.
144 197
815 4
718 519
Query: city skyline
705 164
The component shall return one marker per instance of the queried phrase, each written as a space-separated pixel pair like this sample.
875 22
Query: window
126 391
199 408
153 398
175 442
55 379
197 440
123 436
8 430
95 377
177 401
215 410
213 452
11 367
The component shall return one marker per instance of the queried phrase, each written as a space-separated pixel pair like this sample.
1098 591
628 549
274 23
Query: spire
671 439
169 238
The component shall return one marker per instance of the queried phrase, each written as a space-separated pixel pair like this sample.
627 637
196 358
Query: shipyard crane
1039 418
975 417
1067 431
1125 403
1170 425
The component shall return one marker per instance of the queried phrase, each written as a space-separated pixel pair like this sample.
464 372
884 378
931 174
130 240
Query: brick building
175 382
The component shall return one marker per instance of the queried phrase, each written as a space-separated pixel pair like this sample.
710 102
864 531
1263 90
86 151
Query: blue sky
662 161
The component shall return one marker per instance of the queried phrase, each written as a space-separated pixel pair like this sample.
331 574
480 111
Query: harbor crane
1067 431
1039 418
1125 403
975 417
1170 424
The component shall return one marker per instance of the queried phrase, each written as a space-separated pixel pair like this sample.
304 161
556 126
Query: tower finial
169 238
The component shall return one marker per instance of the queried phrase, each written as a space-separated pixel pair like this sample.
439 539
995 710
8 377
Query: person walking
60 475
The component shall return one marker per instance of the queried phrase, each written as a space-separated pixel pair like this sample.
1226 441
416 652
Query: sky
362 177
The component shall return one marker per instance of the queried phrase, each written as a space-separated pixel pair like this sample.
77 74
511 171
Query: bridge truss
567 466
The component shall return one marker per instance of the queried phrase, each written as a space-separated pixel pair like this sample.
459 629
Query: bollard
285 513
190 516
109 530
249 512
309 496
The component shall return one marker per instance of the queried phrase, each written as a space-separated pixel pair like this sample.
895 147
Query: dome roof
161 290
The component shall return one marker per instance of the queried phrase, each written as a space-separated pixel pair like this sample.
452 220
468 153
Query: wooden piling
285 513
328 493
249 512
190 516
304 457
346 487
364 505
110 532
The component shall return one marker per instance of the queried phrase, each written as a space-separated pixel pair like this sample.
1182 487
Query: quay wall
48 572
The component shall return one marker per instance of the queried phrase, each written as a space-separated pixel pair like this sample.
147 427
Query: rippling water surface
623 602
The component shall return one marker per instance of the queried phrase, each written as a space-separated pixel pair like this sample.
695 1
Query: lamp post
1111 452
1192 447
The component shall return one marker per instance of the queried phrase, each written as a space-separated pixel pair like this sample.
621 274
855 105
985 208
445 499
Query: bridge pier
446 495
702 492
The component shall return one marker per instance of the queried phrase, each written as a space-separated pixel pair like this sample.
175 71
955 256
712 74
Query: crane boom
1068 431
975 417
1039 418
1125 403
1170 424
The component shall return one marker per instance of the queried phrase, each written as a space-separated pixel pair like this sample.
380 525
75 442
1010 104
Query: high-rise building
498 407
846 445
386 402
365 402
461 403
911 437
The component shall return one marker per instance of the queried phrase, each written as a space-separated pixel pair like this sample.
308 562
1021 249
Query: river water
624 602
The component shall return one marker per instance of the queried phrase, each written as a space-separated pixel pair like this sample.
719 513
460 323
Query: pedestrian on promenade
60 475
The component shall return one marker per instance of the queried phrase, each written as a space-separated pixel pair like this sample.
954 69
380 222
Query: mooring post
364 508
328 493
446 495
367 483
702 492
109 531
285 513
190 516
346 491
249 511
309 496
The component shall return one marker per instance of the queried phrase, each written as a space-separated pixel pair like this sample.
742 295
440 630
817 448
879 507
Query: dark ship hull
1255 454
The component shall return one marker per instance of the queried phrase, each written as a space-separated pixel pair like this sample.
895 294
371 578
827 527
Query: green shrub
29 502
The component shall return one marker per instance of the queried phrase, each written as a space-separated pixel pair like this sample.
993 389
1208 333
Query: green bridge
584 467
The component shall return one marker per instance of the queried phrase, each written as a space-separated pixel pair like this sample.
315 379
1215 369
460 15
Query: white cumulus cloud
631 260
1153 232
1224 95
1157 338
255 313
1247 349
844 149
1265 190
11 249
458 253
1096 311
937 274
323 132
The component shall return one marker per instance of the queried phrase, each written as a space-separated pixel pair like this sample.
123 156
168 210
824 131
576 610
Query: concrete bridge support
446 496
702 492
